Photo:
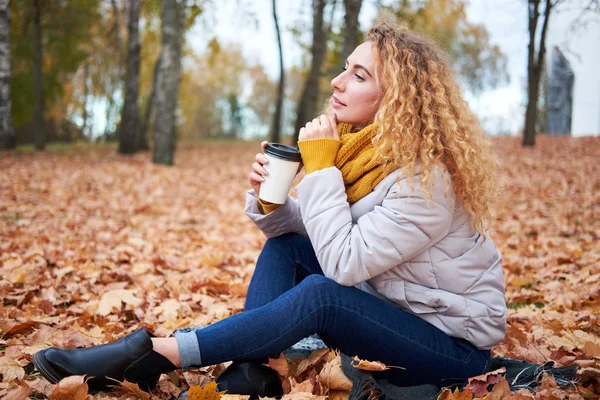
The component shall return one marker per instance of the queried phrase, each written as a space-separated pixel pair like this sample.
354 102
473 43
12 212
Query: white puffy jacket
420 254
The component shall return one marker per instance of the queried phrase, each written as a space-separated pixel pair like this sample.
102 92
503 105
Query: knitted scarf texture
355 159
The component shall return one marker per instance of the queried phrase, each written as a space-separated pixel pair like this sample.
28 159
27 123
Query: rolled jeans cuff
189 349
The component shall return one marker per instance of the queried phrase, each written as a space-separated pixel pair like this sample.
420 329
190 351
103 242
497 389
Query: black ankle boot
250 378
130 358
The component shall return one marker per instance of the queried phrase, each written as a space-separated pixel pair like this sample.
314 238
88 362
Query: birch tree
7 133
167 81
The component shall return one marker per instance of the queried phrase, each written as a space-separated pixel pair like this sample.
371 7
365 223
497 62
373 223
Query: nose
337 82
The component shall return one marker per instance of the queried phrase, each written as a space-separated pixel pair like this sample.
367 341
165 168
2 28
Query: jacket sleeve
406 224
284 219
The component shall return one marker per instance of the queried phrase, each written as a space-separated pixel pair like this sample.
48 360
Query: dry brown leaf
332 376
480 383
16 391
10 370
70 388
304 386
41 386
338 395
500 391
368 365
591 349
112 300
133 388
280 365
303 396
448 394
314 358
235 397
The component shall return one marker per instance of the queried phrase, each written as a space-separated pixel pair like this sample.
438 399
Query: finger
308 130
264 144
261 159
256 179
259 169
325 125
316 122
301 133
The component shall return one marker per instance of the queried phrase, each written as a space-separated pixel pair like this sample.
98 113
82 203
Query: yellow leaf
208 392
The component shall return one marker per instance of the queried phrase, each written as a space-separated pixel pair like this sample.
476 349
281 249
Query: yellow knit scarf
355 159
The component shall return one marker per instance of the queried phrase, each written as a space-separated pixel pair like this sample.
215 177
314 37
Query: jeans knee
317 286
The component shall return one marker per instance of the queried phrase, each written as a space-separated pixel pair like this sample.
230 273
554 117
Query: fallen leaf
333 377
480 383
591 349
313 359
500 391
303 396
280 365
17 391
10 370
41 386
368 365
70 388
113 299
208 392
131 387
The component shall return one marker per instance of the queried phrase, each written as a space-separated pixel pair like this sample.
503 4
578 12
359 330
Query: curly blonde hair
424 119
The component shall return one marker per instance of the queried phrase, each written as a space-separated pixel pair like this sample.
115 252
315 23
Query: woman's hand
258 171
324 127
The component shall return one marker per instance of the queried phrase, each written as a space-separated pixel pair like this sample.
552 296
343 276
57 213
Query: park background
123 173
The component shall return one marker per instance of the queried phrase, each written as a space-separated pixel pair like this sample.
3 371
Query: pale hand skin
324 127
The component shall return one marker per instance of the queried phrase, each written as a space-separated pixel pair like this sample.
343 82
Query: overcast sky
250 23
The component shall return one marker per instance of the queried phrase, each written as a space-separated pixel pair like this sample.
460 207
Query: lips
336 100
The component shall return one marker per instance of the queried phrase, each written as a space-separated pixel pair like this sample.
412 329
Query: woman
384 254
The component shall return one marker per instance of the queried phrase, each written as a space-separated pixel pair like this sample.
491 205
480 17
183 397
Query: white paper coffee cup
282 167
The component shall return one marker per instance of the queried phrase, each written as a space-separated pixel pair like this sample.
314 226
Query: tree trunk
351 27
130 112
535 66
7 132
167 81
276 124
143 132
117 29
86 73
308 101
40 138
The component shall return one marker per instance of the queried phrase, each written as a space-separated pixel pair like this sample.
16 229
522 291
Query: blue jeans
289 299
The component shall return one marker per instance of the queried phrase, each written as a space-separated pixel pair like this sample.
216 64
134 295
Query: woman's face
356 95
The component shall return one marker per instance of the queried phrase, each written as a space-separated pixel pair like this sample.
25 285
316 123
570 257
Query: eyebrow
361 67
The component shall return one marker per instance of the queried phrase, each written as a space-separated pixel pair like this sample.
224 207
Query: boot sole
44 367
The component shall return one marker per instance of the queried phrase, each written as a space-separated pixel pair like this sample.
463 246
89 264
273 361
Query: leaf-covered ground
94 245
